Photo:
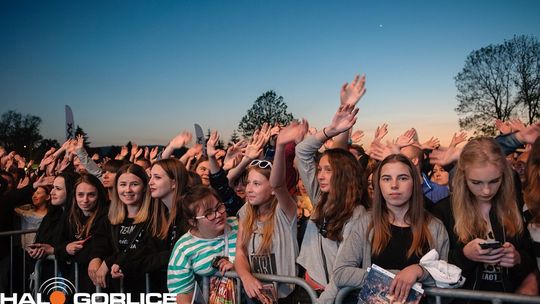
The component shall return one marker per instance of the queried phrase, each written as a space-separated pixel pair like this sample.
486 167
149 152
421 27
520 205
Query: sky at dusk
145 70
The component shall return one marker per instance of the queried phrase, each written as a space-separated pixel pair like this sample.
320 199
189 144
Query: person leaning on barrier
127 235
88 212
395 234
483 209
208 246
267 234
337 186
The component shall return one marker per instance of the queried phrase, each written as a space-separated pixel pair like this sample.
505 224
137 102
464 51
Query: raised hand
79 144
352 92
380 151
124 152
529 134
293 132
381 132
211 144
357 136
516 124
255 148
343 120
458 138
432 143
146 152
406 138
502 126
154 152
181 139
444 156
233 153
138 154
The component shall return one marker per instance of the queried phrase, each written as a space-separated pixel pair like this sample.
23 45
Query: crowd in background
290 200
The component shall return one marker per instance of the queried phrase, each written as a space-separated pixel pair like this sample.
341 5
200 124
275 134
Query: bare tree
497 82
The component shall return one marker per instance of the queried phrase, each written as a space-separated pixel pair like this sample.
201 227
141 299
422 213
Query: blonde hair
117 209
252 214
469 223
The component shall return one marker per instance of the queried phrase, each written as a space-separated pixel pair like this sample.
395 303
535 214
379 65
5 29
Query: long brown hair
252 215
76 214
531 191
176 171
348 190
469 223
416 216
117 209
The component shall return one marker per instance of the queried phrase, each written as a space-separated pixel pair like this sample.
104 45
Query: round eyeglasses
212 214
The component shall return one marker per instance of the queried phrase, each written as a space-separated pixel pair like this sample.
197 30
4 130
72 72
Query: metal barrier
263 277
11 234
439 293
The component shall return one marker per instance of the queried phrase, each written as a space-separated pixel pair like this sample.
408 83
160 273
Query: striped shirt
193 256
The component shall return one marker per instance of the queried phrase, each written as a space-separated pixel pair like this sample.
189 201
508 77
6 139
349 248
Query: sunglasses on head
261 163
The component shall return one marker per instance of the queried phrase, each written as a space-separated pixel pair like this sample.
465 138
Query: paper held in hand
376 284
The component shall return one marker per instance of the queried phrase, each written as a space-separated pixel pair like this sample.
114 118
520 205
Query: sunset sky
145 70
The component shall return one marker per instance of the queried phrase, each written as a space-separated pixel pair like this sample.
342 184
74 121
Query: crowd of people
291 201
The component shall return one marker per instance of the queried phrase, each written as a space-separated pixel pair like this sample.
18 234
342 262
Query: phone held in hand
491 245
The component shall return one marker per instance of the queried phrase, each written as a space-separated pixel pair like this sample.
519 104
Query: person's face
86 196
160 183
108 179
58 192
216 225
483 181
203 171
324 174
396 184
130 189
258 189
240 189
440 176
40 197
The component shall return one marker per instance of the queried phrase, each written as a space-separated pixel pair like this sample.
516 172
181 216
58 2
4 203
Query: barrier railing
12 234
439 293
262 277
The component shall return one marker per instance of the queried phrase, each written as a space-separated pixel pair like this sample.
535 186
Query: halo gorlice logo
60 291
57 289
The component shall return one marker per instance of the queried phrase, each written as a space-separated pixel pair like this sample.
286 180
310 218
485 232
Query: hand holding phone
491 245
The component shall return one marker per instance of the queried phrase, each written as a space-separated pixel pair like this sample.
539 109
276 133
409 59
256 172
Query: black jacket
511 277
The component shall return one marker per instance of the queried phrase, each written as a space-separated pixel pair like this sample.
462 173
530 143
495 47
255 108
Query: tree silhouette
19 133
499 81
268 108
80 131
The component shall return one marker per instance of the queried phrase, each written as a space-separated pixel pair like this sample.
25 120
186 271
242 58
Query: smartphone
492 245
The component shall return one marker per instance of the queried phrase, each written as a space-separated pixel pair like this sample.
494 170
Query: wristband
324 132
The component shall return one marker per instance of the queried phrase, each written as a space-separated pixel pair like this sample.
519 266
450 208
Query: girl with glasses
267 242
208 246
